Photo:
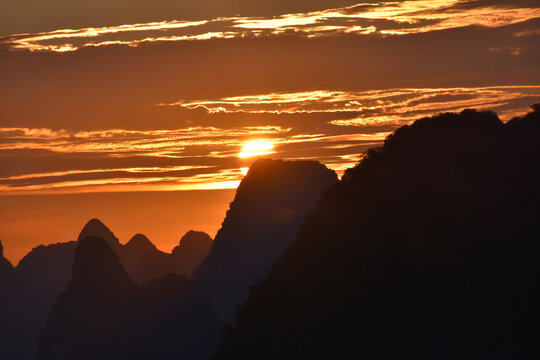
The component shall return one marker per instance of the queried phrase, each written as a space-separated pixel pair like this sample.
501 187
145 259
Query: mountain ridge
270 203
427 248
104 314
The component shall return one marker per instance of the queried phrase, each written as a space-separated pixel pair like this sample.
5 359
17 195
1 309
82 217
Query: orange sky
163 216
109 98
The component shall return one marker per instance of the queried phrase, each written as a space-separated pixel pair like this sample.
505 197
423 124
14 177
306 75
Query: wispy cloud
56 161
387 103
383 18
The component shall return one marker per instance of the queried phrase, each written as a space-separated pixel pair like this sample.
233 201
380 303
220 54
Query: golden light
256 148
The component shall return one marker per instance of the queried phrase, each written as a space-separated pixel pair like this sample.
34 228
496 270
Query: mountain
261 223
428 248
40 276
94 227
92 316
142 260
174 321
194 246
103 314
44 273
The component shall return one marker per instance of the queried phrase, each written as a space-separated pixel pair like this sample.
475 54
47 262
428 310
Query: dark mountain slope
177 323
104 315
270 204
427 249
39 278
90 320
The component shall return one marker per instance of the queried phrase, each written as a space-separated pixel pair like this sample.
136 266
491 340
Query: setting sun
256 148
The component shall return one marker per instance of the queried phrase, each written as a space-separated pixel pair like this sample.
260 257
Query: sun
256 148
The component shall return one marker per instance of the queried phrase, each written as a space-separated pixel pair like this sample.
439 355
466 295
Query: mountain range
103 314
43 274
428 248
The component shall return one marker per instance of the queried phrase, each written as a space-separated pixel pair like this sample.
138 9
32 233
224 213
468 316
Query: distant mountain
104 315
270 204
142 260
194 246
94 227
40 276
44 273
427 249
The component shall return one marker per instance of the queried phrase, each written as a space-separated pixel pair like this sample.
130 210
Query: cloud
376 104
382 18
340 126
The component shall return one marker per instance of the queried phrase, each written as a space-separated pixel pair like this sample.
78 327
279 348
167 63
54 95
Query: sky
137 112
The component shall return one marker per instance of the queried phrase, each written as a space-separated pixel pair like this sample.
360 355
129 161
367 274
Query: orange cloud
393 18
207 157
388 100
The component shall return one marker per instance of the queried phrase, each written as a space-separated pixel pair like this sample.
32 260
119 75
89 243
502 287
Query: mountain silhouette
39 278
194 246
261 223
176 321
94 227
142 260
92 316
103 314
45 271
427 249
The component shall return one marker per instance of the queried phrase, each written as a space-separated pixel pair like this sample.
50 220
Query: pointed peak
95 224
96 228
140 241
1 250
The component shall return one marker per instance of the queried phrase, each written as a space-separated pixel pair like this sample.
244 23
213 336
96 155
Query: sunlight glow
256 148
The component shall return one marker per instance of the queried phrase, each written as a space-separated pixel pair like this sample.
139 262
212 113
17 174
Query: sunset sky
146 114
